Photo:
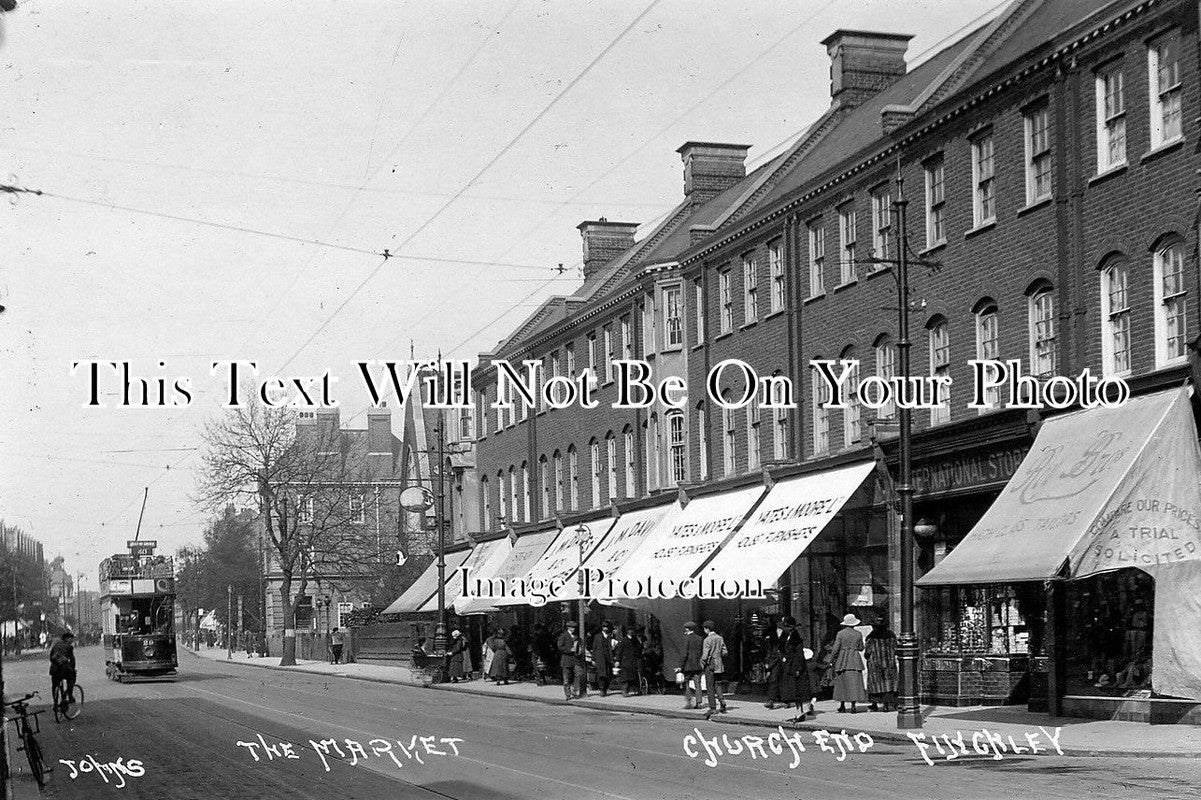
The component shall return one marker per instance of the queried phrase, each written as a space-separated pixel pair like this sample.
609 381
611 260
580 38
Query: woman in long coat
602 658
795 688
498 669
628 655
881 655
455 656
848 665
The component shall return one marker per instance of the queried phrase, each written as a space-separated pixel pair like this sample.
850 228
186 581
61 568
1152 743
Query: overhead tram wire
491 162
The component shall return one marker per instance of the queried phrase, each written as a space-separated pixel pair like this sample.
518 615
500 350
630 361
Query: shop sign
971 470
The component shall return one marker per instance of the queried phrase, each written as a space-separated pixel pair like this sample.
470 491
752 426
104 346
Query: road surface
185 735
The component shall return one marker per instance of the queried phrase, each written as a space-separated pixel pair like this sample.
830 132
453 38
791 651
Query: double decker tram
137 600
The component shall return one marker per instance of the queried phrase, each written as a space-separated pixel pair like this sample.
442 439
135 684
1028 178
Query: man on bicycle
62 667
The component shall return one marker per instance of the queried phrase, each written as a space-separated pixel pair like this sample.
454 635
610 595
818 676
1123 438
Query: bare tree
304 483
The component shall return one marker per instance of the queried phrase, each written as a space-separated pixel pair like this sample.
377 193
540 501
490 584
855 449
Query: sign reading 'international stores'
967 471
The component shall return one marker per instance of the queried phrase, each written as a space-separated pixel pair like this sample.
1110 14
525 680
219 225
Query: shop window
1109 627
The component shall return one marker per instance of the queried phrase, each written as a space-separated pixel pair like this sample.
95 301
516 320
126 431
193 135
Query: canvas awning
1105 488
624 537
792 515
423 588
521 559
475 562
561 556
485 570
678 545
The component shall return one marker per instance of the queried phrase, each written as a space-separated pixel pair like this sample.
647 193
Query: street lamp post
583 538
909 713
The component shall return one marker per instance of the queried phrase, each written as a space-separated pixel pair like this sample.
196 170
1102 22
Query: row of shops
1059 561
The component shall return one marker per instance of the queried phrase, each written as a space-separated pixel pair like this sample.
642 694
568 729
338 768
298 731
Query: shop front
1087 560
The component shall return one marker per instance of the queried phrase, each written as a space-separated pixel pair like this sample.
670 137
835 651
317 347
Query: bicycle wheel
33 751
56 702
73 709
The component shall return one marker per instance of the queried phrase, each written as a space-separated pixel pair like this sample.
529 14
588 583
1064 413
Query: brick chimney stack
863 62
604 241
710 168
379 430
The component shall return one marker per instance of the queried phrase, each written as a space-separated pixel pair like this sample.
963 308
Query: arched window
821 412
1170 303
988 346
702 438
677 443
526 510
594 454
754 419
631 461
544 487
573 477
779 429
514 495
1042 329
501 495
852 415
886 370
486 511
729 438
939 343
558 464
1115 316
611 464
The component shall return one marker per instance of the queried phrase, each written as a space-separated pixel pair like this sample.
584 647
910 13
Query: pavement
1074 736
226 730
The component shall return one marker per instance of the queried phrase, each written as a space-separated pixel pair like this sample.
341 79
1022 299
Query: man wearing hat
602 657
713 650
848 665
690 665
571 659
62 666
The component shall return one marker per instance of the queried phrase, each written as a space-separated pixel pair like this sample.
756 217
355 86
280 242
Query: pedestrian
713 651
519 653
455 655
690 666
628 655
544 653
652 661
336 640
488 654
774 664
848 665
571 660
498 670
602 657
880 652
795 689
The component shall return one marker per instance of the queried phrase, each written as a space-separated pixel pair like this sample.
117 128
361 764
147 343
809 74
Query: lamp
925 528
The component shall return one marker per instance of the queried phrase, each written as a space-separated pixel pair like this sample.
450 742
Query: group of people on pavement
628 657
702 668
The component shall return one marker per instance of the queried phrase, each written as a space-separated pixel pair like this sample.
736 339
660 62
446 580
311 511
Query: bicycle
25 734
62 708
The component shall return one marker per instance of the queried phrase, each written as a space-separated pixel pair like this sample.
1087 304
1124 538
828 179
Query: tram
137 602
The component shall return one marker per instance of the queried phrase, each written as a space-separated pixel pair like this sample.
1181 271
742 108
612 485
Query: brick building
1048 163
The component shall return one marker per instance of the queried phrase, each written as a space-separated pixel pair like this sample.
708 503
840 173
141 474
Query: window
750 290
514 503
1042 332
627 338
988 346
501 496
984 209
936 203
525 491
593 372
1038 154
698 291
357 509
729 440
881 224
649 455
775 264
1163 64
555 370
631 467
940 367
594 449
1170 313
678 454
886 370
846 245
648 324
1115 319
544 486
656 440
611 463
702 438
673 322
500 411
852 415
486 511
817 259
753 420
727 302
558 459
779 438
305 510
573 477
609 354
821 414
1111 119
467 424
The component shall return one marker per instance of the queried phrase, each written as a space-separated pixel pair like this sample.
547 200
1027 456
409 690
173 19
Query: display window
1110 627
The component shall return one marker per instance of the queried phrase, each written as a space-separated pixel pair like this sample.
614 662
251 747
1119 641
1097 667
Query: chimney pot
604 241
710 168
863 62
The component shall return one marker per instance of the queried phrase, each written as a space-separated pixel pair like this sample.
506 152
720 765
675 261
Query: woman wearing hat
498 669
795 688
848 665
455 655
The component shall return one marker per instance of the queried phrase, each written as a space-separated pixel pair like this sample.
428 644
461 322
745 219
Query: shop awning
485 570
1103 488
521 559
792 515
684 540
560 557
625 536
476 562
424 587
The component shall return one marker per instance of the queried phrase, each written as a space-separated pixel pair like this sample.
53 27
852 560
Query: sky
220 179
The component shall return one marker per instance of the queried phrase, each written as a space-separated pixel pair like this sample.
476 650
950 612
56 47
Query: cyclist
62 667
